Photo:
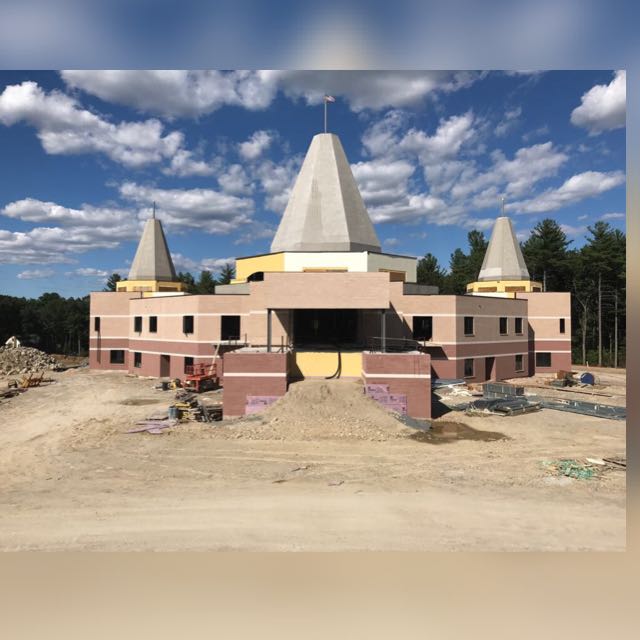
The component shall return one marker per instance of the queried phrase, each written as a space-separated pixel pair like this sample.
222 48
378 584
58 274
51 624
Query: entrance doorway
165 366
325 327
490 366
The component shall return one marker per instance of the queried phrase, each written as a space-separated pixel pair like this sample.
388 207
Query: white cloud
572 231
613 216
184 263
256 231
205 209
391 242
184 163
536 133
583 217
35 274
603 107
88 272
508 123
64 127
276 181
576 188
195 93
382 182
235 181
256 145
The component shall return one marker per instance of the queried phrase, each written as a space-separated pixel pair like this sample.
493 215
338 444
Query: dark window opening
187 324
468 368
562 327
325 327
188 362
519 326
258 276
422 327
96 324
468 325
503 327
137 324
116 356
137 359
519 362
543 359
153 324
230 328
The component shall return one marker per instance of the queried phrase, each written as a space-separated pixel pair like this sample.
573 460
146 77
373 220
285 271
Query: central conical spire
153 260
503 259
325 210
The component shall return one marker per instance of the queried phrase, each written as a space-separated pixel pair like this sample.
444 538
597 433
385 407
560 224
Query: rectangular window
137 324
468 325
137 359
116 356
230 328
96 324
543 359
187 324
519 326
562 327
153 324
422 327
503 326
519 362
188 362
468 368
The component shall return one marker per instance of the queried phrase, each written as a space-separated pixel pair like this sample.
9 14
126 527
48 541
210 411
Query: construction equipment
30 380
201 376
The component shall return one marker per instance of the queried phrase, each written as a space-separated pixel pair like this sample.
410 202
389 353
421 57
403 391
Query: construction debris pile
19 360
503 399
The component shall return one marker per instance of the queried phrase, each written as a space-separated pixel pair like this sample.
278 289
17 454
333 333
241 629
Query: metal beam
383 330
269 311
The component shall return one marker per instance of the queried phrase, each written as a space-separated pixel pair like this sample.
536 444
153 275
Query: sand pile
18 360
317 409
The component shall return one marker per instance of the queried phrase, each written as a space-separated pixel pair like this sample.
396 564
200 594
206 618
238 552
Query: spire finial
153 215
502 206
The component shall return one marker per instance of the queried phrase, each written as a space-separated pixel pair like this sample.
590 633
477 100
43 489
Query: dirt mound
17 360
322 409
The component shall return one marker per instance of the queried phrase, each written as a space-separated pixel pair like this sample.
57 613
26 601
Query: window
96 324
230 328
116 356
519 362
543 359
137 359
137 324
422 327
503 326
562 326
519 326
187 324
468 325
188 362
153 324
468 368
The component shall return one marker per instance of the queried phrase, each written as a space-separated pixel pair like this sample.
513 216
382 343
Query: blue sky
83 154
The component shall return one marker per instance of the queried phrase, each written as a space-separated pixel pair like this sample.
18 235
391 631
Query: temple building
327 302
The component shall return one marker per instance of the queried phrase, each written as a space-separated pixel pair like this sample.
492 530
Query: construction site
323 400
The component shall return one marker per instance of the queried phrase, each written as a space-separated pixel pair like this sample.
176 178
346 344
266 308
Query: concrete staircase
396 402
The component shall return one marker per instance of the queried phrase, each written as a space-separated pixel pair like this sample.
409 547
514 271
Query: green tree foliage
227 274
188 282
430 272
206 283
114 278
546 255
465 268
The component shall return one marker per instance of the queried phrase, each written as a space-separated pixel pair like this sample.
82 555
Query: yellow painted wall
246 266
148 285
501 285
320 364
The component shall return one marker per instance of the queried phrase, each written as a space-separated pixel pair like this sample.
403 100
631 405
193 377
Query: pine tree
188 281
113 279
545 253
206 283
430 272
227 274
459 273
477 249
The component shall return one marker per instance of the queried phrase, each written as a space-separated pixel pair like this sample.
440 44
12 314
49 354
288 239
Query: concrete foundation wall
404 373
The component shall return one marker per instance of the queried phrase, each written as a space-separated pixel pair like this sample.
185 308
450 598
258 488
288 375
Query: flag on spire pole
329 99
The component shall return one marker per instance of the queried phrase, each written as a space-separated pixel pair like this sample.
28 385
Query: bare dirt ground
324 470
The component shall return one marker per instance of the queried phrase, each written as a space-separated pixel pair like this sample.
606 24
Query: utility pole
615 355
599 319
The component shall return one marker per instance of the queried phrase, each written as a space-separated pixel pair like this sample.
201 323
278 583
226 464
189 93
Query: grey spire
153 260
325 210
503 259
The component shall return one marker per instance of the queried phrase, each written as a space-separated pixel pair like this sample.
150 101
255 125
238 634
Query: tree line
594 274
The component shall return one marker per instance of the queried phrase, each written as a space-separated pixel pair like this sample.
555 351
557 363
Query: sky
84 154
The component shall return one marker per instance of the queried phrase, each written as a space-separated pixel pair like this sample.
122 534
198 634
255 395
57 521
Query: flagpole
325 114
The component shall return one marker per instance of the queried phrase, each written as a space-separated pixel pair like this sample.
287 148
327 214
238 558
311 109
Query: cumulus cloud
35 274
603 107
88 272
576 188
508 123
184 163
64 127
184 263
234 180
276 181
206 209
613 216
195 93
256 145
